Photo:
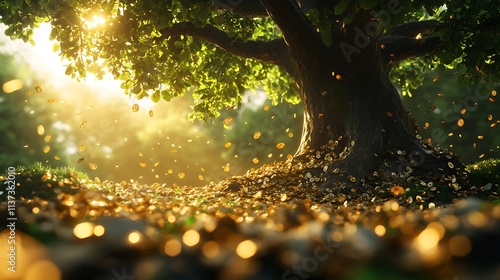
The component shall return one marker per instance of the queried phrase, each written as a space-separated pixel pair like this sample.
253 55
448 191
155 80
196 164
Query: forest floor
65 226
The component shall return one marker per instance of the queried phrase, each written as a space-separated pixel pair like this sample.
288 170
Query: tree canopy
216 50
336 57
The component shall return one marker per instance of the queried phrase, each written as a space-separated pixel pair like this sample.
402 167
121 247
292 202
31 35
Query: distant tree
21 141
333 56
462 118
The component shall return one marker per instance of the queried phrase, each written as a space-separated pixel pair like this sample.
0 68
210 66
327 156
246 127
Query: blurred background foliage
19 141
97 132
464 119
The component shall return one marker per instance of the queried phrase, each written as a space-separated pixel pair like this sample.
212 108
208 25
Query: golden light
95 21
83 230
428 239
134 237
380 230
40 129
460 245
210 249
99 230
12 86
439 228
145 103
171 219
337 236
350 229
246 249
477 219
172 247
43 269
191 237
30 258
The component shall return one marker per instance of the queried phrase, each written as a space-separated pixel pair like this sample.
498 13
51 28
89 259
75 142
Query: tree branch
297 31
412 29
398 48
267 51
407 40
246 8
401 42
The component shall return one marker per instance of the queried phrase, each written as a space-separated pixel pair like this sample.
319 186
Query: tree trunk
355 122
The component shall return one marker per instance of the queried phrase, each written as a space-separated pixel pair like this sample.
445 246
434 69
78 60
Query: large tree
333 56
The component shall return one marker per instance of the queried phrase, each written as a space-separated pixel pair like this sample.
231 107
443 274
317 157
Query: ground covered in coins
261 225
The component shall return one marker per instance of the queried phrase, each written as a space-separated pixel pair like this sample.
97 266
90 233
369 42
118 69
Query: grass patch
44 182
484 172
485 175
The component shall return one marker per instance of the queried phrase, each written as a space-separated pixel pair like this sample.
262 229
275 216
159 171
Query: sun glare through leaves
94 21
173 150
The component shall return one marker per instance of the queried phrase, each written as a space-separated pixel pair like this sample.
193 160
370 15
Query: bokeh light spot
246 249
172 247
12 85
210 249
83 230
191 237
134 237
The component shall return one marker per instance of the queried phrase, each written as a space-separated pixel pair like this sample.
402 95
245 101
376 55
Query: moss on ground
485 175
484 172
44 182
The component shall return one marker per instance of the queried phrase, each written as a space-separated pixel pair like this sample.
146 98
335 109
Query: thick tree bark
359 121
353 115
355 125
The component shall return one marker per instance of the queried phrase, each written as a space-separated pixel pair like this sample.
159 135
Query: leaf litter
236 226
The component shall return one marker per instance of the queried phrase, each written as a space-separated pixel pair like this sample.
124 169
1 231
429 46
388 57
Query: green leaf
326 38
312 15
368 4
55 47
156 96
325 32
349 17
9 31
69 70
14 3
165 96
178 44
204 13
341 7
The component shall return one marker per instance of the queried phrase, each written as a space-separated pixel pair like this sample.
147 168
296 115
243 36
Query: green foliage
441 103
486 176
483 176
129 44
45 182
471 46
131 40
255 132
484 172
376 270
409 75
473 42
20 114
323 24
